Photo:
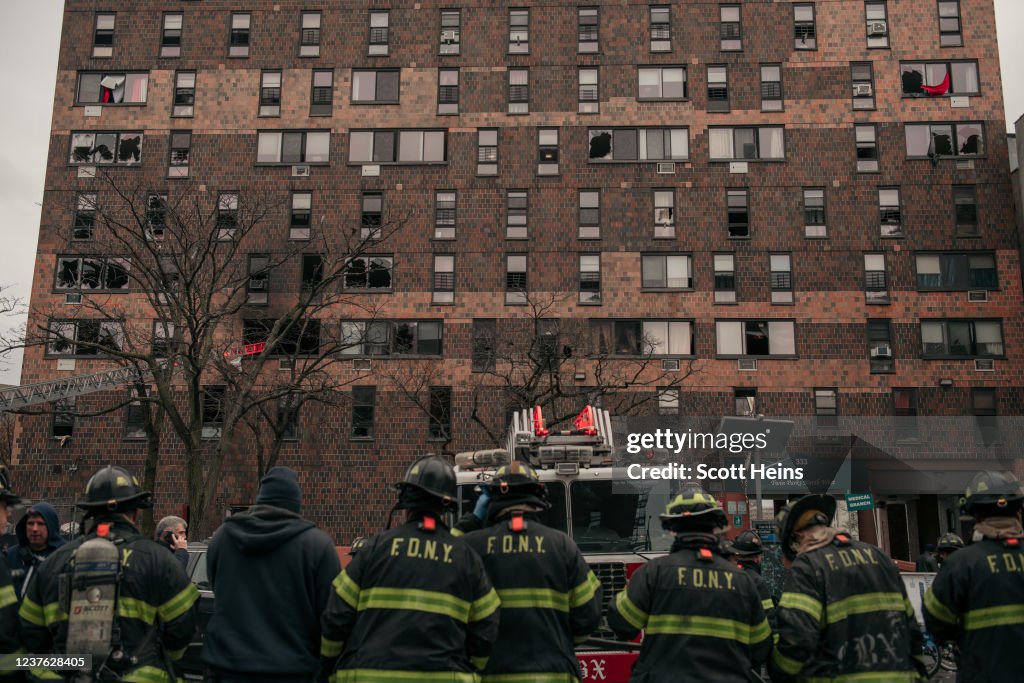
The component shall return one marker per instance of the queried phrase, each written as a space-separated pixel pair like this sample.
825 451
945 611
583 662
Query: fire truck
615 526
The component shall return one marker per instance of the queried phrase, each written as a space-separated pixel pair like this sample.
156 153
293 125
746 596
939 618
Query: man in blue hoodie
271 572
38 534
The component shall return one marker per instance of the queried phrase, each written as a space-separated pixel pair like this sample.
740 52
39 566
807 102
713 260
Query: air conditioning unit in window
300 171
663 216
862 90
670 364
746 364
984 364
977 296
878 28
882 351
70 298
449 37
361 364
666 167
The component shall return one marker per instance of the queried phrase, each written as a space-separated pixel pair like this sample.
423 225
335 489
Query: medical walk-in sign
859 501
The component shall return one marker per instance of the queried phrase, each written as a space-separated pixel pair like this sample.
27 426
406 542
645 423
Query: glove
482 503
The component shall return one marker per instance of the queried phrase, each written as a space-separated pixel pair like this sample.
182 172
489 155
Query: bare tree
202 265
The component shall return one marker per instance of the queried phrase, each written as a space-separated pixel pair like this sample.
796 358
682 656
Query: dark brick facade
345 480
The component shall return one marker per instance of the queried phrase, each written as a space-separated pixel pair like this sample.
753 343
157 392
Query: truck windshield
555 517
607 521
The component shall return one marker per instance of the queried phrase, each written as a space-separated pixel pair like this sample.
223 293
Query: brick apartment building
808 198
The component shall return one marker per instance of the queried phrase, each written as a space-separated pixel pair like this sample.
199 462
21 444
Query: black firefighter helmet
114 489
796 516
950 542
6 494
693 509
430 481
992 494
748 543
516 484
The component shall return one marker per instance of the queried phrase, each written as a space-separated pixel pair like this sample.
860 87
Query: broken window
487 151
163 339
416 337
371 217
718 89
85 216
227 215
781 270
518 91
484 341
156 216
516 211
588 29
731 37
375 87
170 38
664 213
725 278
515 279
112 88
257 289
661 29
288 407
378 45
771 87
293 147
184 93
590 279
934 79
805 32
448 91
518 31
295 337
309 42
238 45
444 215
103 36
666 271
444 279
876 279
363 400
661 83
766 142
867 148
738 213
213 397
450 31
589 101
322 94
950 30
270 93
180 152
301 216
890 211
312 271
106 148
92 274
589 214
755 338
390 146
547 147
83 338
863 82
440 423
814 212
63 418
639 144
932 141
965 204
135 414
369 272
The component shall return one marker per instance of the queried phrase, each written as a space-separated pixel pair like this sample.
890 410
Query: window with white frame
755 338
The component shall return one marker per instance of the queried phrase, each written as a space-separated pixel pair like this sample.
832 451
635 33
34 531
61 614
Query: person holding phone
170 532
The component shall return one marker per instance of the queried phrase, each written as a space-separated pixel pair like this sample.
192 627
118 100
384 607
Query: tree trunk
154 429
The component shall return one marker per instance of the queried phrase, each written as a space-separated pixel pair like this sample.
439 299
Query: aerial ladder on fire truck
16 398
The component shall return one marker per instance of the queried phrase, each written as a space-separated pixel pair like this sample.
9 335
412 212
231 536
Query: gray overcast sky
29 40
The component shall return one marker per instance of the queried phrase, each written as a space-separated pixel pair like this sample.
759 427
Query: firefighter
977 598
415 602
549 595
844 614
9 643
701 614
112 570
747 548
946 546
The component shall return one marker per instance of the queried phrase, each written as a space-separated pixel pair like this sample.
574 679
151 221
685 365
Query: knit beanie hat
280 488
